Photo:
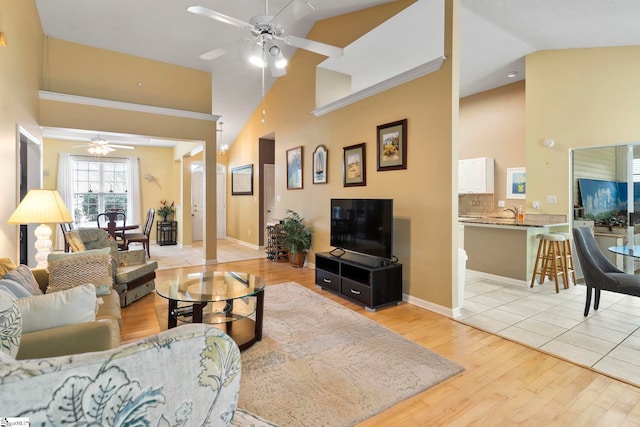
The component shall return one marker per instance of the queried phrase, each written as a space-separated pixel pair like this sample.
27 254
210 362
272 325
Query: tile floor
608 340
172 256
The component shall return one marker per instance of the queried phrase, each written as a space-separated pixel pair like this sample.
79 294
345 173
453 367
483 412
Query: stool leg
570 262
535 266
554 262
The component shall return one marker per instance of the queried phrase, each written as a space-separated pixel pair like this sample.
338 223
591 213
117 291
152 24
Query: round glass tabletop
210 286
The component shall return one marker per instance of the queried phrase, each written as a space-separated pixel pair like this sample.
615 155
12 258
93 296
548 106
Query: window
98 184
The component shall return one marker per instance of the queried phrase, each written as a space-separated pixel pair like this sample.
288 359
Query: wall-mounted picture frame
242 180
392 146
354 164
320 165
294 168
516 183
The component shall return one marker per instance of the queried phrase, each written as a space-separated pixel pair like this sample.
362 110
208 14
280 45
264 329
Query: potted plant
297 237
165 209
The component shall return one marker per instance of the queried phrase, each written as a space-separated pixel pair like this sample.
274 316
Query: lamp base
42 245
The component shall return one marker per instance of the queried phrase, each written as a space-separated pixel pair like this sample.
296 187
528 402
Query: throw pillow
13 288
6 265
67 307
10 325
23 275
73 269
75 242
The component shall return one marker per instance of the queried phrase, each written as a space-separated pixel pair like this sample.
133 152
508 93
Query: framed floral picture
320 165
516 183
354 166
294 169
392 146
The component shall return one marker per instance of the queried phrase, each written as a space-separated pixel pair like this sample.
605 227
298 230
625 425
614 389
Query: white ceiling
495 37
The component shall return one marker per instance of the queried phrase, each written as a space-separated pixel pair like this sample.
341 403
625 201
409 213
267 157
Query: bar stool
549 258
567 257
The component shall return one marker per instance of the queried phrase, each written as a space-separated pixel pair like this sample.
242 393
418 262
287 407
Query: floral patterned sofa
185 376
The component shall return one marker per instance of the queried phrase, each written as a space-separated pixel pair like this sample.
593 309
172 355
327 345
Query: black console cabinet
166 232
372 287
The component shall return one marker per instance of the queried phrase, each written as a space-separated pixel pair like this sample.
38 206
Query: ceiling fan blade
128 147
294 10
203 11
313 46
223 50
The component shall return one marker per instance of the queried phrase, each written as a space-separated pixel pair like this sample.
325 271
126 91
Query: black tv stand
372 286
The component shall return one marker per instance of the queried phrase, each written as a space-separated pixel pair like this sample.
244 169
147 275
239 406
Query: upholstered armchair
134 275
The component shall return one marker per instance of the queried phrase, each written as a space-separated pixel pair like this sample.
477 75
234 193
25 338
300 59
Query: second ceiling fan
265 33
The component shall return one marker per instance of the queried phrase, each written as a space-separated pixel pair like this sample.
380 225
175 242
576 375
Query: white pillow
67 307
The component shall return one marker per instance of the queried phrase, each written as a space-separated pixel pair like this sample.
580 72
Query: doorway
197 206
29 176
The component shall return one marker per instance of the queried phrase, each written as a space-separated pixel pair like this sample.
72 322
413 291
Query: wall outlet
535 205
278 198
552 200
501 203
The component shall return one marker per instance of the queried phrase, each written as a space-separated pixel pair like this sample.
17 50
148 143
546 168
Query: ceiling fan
265 33
102 146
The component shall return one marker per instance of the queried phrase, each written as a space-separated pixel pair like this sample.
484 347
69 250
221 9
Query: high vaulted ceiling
496 35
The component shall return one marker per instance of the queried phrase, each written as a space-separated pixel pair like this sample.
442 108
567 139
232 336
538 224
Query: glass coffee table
230 300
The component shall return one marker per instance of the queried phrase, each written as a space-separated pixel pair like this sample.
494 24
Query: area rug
321 364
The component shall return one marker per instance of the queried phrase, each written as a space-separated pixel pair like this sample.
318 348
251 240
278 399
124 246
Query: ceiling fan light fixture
281 62
257 57
98 150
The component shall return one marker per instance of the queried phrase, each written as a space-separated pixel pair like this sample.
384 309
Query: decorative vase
164 218
297 259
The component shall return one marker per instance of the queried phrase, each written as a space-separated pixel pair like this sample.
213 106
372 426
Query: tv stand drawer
356 291
327 280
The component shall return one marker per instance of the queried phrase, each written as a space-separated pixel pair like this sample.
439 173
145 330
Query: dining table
629 251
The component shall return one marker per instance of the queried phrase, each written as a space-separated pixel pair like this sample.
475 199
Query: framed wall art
294 168
516 183
242 181
354 165
320 165
392 146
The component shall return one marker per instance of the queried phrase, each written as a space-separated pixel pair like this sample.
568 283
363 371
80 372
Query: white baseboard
436 308
243 243
508 280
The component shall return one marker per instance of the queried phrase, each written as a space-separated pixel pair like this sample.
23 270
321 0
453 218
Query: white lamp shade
41 207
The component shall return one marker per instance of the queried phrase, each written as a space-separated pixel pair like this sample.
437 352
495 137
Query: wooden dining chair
66 227
109 221
143 237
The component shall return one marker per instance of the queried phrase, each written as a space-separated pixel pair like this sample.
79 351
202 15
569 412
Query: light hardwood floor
504 383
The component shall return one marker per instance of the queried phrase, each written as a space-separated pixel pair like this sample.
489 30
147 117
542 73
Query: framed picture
242 181
516 183
354 165
320 165
294 168
392 146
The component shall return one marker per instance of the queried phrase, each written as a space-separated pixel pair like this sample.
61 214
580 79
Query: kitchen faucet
514 210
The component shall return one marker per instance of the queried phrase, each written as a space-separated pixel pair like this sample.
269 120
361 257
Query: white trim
119 105
439 309
243 243
414 73
509 280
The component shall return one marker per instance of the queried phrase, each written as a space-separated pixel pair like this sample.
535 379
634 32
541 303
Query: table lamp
41 207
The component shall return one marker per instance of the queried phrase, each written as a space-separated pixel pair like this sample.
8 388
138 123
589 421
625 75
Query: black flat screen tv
363 225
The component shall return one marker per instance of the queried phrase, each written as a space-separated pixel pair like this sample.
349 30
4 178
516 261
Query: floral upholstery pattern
10 325
188 375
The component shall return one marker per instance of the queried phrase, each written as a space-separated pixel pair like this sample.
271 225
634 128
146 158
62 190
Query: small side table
166 232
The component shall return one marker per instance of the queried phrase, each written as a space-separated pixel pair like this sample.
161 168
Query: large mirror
374 63
606 197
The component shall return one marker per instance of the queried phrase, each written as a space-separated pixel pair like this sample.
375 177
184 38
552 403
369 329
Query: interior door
221 195
197 206
269 196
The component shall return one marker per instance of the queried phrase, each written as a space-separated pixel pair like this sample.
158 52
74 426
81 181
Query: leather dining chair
108 221
599 273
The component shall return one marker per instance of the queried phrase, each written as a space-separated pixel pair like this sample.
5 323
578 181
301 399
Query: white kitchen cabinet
475 175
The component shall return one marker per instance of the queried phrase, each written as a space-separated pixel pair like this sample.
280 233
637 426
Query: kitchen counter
504 247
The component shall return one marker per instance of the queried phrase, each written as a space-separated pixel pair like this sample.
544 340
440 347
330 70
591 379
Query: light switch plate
501 203
552 200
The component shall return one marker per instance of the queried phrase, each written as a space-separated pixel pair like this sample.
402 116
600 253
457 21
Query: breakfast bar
505 247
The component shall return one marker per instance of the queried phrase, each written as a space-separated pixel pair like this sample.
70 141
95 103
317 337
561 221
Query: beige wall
492 124
579 98
20 76
423 193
